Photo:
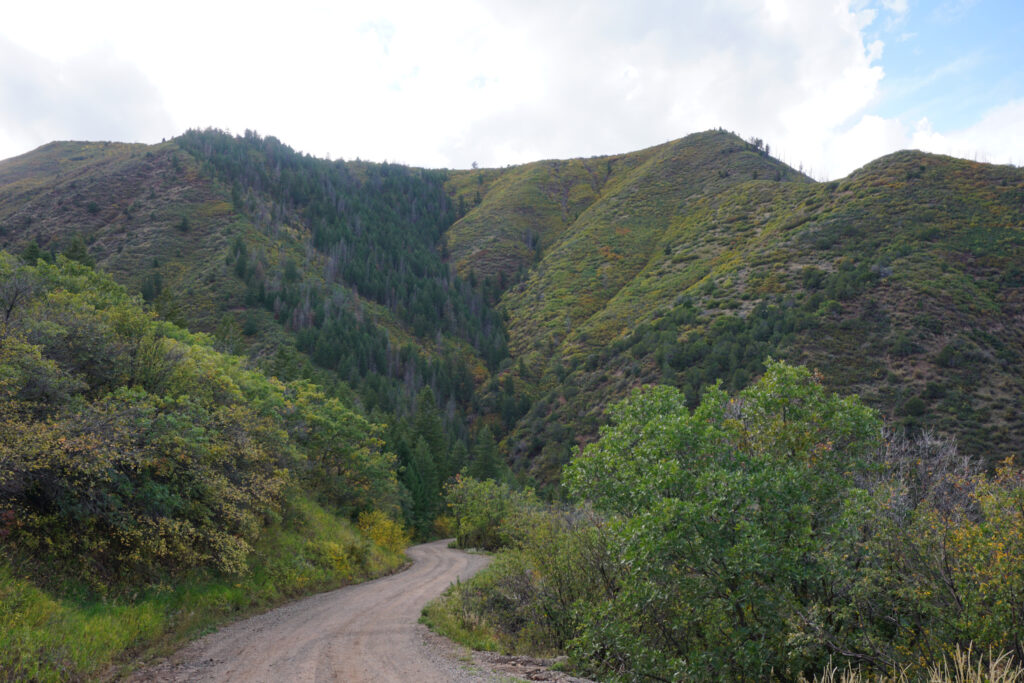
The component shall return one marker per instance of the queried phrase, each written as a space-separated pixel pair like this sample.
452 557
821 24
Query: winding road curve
366 632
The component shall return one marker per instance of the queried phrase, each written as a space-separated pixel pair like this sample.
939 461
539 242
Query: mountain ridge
909 227
684 263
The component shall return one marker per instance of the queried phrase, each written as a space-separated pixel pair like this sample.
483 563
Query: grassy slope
615 238
524 210
127 202
48 634
927 247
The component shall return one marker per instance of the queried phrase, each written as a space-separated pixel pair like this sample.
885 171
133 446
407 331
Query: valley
685 263
231 369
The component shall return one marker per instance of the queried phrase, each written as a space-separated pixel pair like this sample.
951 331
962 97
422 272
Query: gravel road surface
366 632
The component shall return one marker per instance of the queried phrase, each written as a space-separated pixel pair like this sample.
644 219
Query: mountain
695 260
528 298
270 251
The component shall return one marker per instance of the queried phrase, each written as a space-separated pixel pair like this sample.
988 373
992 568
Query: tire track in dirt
365 632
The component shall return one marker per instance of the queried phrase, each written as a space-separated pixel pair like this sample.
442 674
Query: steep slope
146 213
901 282
271 251
614 238
522 211
685 263
150 485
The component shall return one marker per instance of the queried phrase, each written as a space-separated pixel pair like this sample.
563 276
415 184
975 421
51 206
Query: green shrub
914 407
480 511
531 597
58 635
131 450
781 533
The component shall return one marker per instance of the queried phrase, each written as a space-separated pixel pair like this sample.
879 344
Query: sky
828 84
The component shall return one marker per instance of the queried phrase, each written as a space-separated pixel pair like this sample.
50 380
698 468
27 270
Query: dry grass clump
963 666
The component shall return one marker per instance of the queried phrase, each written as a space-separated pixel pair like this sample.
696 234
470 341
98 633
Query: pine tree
459 456
420 477
77 251
487 462
428 424
32 253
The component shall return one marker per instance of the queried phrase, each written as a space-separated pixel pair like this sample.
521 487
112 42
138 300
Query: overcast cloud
447 84
94 96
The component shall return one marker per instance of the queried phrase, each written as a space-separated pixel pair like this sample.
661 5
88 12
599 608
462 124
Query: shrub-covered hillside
527 299
316 270
133 447
290 258
135 459
697 260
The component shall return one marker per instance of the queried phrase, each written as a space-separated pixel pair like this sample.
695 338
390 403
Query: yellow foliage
384 531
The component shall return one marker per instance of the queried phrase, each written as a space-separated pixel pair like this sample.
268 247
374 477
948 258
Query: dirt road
366 632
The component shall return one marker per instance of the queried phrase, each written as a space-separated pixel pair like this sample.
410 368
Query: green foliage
378 226
422 480
774 534
32 253
452 617
588 261
384 531
481 511
428 425
724 516
77 251
131 450
45 636
345 462
487 462
866 277
151 486
528 600
552 564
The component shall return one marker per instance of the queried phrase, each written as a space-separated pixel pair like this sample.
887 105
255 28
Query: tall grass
964 666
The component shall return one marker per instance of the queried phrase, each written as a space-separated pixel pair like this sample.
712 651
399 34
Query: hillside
151 486
145 213
268 250
696 260
316 270
684 263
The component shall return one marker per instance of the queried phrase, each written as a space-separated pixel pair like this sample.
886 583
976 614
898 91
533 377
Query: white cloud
895 6
871 137
790 72
997 137
481 80
94 96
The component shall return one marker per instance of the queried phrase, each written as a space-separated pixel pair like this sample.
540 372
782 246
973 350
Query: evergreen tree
77 251
228 335
459 456
428 425
32 253
487 462
420 477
